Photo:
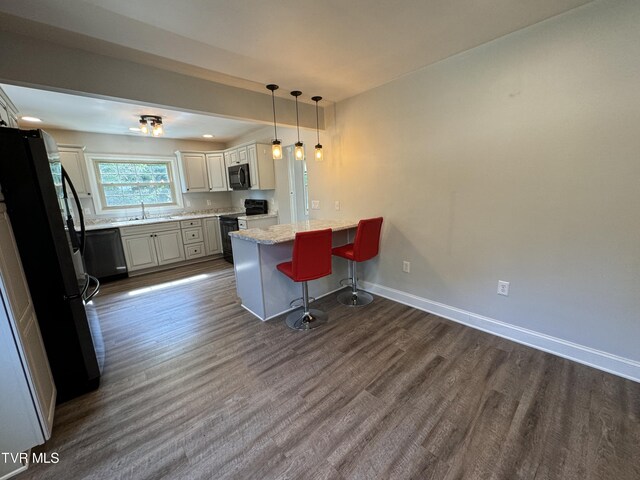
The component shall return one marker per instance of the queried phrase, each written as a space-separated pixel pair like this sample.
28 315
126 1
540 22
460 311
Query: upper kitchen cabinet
261 171
231 157
217 172
193 170
73 161
8 111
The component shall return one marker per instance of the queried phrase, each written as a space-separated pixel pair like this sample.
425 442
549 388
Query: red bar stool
364 247
311 260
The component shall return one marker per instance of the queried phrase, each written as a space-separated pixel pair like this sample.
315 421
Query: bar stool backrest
311 257
367 242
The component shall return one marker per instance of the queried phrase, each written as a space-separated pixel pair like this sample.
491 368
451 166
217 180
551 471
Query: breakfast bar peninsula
262 289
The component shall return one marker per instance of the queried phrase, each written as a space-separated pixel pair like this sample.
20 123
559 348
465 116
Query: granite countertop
258 217
114 223
287 232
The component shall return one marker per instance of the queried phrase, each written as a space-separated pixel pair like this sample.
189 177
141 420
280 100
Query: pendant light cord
275 128
317 127
297 121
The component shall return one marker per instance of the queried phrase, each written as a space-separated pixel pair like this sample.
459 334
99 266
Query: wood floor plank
196 388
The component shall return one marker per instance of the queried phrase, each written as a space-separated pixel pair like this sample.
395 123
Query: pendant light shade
276 147
299 147
318 149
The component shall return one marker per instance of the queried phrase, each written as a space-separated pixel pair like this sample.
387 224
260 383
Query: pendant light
276 148
299 150
318 151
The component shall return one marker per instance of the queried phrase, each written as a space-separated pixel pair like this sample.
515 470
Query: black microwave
239 177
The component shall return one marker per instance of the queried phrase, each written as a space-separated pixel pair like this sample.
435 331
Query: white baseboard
607 362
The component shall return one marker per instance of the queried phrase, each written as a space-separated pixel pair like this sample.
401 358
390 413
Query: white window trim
92 158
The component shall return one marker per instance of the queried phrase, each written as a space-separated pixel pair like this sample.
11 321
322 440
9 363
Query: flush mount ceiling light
207 135
318 152
276 148
299 150
151 124
31 119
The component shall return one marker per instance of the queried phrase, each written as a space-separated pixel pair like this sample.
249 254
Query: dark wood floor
196 388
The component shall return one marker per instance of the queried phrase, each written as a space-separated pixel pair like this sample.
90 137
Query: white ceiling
72 112
333 48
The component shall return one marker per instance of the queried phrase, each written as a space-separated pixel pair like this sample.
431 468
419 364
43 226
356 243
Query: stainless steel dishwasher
103 254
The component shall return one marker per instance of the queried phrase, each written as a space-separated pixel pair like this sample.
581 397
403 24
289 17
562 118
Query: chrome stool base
298 320
355 299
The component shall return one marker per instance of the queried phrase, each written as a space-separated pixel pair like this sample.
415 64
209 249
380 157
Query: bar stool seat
311 259
364 247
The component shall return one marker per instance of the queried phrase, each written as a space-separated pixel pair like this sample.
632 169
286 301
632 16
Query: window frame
100 200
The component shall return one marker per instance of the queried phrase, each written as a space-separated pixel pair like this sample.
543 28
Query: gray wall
517 160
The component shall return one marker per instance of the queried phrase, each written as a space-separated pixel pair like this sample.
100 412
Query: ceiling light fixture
318 152
276 148
151 124
299 150
207 135
31 119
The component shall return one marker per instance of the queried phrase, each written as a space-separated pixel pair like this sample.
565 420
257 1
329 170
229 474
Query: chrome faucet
144 215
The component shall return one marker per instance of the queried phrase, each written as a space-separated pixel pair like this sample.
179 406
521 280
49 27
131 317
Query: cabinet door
233 156
140 251
252 153
14 288
73 161
194 168
169 247
242 155
39 369
217 172
212 236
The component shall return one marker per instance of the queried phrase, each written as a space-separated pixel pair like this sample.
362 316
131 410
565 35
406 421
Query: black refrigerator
32 183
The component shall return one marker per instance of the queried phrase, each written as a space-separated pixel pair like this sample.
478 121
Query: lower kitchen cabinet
145 247
140 251
212 243
159 244
169 247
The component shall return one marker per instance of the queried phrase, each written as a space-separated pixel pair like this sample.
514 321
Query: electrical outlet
209 202
87 211
406 267
188 203
337 205
315 204
503 288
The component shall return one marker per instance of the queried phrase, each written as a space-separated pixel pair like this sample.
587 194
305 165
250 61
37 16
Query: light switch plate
315 204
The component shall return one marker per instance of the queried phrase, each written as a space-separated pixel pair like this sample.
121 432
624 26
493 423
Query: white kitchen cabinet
212 242
231 157
193 170
28 393
8 113
261 168
140 251
148 246
260 222
73 160
169 247
242 155
217 172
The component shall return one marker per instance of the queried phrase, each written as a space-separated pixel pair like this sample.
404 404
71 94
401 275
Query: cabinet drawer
194 251
242 224
191 223
192 235
149 228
